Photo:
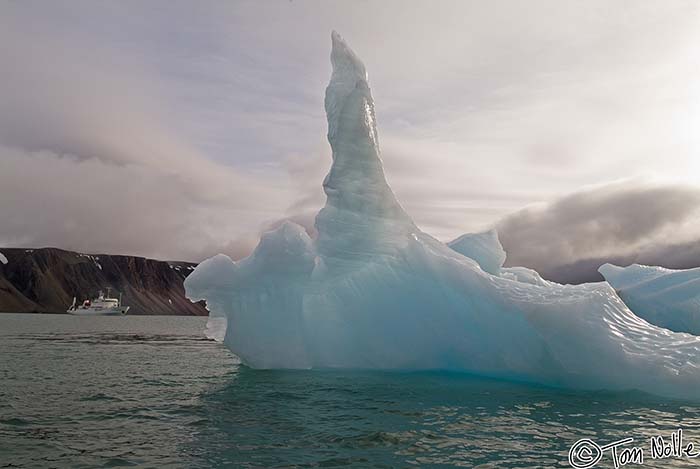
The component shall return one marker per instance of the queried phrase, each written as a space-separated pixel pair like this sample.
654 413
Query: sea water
154 392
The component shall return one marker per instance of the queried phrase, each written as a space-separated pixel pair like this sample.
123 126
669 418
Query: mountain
46 280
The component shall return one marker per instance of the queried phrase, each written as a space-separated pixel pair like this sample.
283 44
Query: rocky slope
46 280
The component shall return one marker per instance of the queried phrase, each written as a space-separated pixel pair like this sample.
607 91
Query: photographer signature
586 453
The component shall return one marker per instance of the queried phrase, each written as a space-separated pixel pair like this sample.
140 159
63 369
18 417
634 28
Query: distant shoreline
57 313
46 280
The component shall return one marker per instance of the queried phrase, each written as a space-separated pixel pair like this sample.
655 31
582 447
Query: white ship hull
100 306
99 312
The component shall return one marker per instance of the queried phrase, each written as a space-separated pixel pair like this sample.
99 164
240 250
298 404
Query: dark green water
152 392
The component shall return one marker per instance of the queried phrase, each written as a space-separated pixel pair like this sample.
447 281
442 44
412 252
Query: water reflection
150 392
371 419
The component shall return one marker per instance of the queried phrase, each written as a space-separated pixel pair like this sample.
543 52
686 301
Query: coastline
45 280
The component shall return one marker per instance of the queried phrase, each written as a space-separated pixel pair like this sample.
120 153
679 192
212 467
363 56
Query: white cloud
212 113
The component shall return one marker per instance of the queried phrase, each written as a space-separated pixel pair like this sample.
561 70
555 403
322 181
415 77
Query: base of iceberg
373 291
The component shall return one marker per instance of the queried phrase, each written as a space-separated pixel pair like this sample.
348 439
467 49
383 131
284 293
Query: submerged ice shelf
371 290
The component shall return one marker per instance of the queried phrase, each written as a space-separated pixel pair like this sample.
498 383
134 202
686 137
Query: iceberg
524 275
664 297
485 248
371 290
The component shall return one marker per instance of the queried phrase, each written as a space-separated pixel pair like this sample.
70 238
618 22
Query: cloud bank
90 159
181 129
568 239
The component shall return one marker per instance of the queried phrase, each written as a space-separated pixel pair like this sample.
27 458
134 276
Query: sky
180 129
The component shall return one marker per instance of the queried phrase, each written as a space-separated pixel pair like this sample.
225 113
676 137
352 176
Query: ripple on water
150 392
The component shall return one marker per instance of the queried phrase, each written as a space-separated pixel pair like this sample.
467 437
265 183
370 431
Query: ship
100 306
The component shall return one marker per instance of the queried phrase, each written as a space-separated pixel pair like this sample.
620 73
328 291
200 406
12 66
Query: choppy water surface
152 392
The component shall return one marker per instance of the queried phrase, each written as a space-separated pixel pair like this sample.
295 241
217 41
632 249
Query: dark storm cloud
568 239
